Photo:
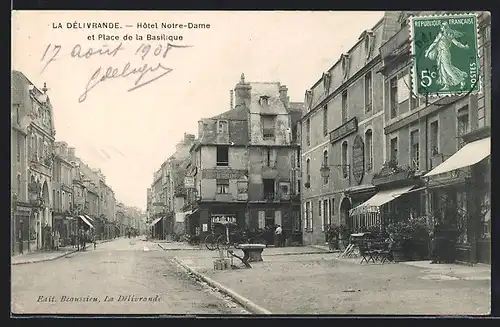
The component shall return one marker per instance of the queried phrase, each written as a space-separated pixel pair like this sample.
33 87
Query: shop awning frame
89 218
85 220
373 204
155 221
469 155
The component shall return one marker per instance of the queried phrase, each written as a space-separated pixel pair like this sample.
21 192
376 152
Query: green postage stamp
445 54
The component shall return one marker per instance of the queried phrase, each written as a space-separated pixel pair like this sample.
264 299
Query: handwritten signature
144 73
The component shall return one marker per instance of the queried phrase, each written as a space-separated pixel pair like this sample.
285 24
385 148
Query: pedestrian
57 237
94 240
277 235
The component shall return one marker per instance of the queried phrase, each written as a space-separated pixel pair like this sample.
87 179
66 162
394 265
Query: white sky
129 134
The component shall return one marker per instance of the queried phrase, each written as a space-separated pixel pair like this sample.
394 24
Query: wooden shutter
306 221
277 218
262 219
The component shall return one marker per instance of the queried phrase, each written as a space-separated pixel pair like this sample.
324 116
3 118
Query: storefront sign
223 173
358 159
223 219
205 227
341 132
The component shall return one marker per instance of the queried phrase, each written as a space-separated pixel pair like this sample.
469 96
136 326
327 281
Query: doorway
345 206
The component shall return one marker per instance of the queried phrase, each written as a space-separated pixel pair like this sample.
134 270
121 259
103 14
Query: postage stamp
445 52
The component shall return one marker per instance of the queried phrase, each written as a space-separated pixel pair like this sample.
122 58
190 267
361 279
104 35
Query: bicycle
211 241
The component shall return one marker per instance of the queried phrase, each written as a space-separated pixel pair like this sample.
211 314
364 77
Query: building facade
157 207
422 133
62 193
36 117
342 139
242 164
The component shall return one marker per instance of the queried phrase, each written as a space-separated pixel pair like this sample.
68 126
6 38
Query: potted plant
399 232
419 237
332 235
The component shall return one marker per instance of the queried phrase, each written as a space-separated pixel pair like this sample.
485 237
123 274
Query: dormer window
308 99
222 127
326 82
264 100
345 65
368 43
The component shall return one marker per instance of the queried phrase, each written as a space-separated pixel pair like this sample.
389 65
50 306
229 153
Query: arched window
369 150
325 164
343 159
308 171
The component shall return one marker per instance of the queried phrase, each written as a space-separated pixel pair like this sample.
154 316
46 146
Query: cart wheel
210 242
222 243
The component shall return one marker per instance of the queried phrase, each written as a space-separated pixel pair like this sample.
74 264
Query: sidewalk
323 284
34 257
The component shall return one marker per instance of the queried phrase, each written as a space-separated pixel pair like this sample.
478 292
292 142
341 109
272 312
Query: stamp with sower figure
445 54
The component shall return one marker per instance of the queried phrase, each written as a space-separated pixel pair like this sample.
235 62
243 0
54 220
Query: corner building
342 141
243 164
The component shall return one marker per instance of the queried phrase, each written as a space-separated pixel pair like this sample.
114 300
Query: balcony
44 166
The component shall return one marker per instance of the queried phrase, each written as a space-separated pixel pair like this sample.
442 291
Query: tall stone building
442 145
34 110
342 139
242 163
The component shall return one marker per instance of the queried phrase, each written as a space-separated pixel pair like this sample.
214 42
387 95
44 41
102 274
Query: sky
129 133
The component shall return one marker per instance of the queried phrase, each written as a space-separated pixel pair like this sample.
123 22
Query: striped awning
89 218
85 220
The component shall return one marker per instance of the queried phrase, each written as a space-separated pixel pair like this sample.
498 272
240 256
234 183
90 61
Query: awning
469 155
89 218
155 221
373 204
85 220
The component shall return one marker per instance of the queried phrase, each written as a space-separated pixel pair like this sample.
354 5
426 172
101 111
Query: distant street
122 276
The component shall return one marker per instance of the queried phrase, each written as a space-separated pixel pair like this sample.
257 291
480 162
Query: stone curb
247 304
176 249
54 258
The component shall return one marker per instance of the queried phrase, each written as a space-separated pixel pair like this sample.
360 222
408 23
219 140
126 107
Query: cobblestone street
125 270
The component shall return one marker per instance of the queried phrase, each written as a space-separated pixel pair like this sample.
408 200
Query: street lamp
325 170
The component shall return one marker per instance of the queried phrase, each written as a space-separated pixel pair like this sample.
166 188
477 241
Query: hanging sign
358 159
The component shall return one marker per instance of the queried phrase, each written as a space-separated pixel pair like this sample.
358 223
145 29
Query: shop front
21 228
463 205
157 228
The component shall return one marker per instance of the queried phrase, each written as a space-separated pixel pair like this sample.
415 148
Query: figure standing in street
277 235
94 240
57 238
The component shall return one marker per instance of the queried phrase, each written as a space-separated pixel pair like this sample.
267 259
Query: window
63 201
308 131
325 121
268 188
369 149
344 160
18 185
222 186
268 126
264 100
284 190
434 146
394 150
222 127
462 124
332 208
326 211
368 92
325 164
270 157
18 151
393 97
344 106
222 156
308 216
308 171
403 88
415 149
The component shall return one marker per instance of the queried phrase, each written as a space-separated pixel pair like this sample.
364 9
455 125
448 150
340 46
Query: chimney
231 94
189 138
284 96
71 154
242 92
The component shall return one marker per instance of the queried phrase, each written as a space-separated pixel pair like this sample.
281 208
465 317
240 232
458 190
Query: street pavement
322 283
124 276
